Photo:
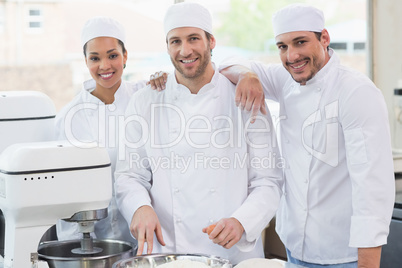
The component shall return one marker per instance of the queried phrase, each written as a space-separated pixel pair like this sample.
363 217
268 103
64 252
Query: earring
124 67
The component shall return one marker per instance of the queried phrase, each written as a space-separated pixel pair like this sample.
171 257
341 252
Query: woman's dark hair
120 43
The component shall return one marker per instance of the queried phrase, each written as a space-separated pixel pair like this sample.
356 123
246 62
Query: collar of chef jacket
207 87
321 74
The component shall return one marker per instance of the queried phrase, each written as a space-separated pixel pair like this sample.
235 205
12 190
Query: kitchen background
40 45
40 39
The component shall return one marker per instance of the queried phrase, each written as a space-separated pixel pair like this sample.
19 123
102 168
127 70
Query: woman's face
105 60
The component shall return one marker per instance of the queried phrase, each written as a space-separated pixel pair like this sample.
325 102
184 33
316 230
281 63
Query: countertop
286 264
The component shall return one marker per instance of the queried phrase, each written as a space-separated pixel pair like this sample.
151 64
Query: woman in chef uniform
92 116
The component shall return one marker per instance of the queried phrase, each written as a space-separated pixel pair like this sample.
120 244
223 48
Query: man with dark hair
339 179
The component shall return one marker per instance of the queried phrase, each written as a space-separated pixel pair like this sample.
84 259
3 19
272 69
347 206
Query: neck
196 83
106 95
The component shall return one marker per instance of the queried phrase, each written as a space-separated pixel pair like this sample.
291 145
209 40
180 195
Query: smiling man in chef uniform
339 179
192 157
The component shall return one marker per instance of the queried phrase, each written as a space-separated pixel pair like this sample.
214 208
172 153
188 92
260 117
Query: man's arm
133 180
369 154
369 257
249 93
265 181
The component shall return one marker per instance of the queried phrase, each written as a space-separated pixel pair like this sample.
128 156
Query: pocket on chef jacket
355 144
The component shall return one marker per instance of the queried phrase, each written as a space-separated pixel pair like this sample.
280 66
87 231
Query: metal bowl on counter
153 260
62 254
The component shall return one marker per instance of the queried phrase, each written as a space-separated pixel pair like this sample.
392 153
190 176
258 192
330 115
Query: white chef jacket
185 157
339 179
87 119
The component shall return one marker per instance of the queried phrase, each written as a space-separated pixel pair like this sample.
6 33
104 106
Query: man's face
302 54
190 51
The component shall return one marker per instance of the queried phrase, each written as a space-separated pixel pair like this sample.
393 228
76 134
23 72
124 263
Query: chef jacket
339 179
86 119
188 157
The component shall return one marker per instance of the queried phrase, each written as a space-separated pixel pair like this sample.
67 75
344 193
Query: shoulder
77 100
133 87
142 99
351 82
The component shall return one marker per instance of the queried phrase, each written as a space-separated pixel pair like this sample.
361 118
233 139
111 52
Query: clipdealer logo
202 161
136 132
330 151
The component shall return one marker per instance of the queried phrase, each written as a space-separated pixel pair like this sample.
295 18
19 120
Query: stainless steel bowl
153 260
58 254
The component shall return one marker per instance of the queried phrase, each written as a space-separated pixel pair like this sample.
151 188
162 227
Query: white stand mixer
43 182
25 116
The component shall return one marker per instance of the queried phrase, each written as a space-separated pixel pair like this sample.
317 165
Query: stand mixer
46 181
42 181
25 116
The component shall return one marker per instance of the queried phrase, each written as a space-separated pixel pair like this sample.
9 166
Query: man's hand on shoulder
249 92
158 80
250 95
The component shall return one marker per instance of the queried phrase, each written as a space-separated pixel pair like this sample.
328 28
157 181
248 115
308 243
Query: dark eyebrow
109 51
188 36
299 38
293 40
194 34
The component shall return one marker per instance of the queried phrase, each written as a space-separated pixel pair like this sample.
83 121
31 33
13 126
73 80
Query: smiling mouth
299 66
188 61
106 76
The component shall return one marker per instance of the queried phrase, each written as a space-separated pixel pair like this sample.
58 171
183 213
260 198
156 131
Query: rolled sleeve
370 164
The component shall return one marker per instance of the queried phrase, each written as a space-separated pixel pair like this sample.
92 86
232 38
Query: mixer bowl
58 254
153 260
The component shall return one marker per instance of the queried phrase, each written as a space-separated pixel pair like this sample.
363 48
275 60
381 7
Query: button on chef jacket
339 180
93 121
185 157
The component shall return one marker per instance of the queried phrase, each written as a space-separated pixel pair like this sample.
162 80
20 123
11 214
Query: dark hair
208 35
318 35
120 43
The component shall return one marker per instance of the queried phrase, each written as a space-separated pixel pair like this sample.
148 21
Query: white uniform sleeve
264 183
132 182
272 77
364 120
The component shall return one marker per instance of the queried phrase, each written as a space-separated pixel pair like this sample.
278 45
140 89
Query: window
35 19
359 46
339 46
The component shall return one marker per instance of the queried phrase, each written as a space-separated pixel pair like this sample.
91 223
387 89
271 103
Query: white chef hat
186 14
298 17
102 27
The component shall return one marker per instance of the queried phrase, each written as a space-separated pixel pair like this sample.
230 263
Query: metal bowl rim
50 243
151 256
